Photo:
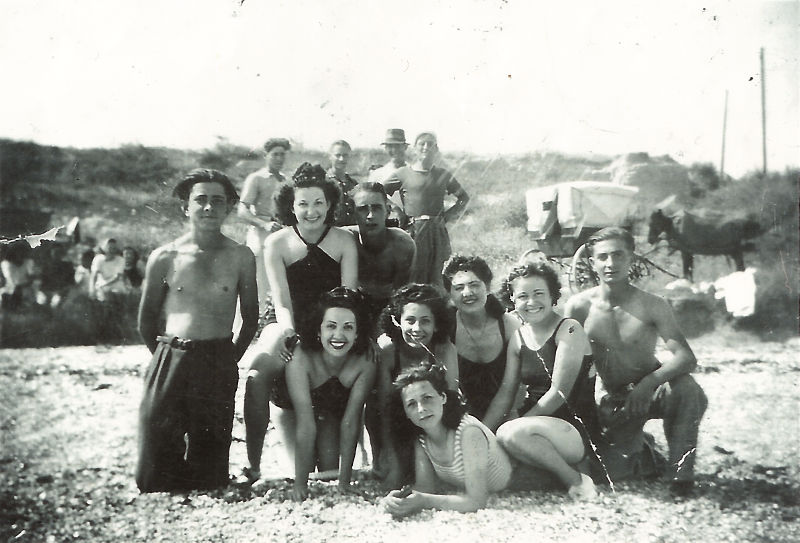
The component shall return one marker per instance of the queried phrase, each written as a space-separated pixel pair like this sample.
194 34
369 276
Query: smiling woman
302 262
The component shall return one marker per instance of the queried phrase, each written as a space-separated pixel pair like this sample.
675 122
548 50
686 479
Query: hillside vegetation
126 192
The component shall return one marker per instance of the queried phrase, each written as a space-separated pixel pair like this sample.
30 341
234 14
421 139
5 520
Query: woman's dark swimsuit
329 398
536 367
480 381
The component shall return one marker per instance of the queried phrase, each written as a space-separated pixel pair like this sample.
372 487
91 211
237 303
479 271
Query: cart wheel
581 274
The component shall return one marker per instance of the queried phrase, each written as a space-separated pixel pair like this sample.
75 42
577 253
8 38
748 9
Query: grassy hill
126 193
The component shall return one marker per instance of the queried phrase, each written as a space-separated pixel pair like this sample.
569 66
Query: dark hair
416 293
453 409
369 186
345 298
204 175
135 252
531 270
277 142
306 176
342 143
611 232
88 254
474 264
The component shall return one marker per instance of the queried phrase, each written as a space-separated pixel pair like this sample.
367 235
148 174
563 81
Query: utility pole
763 113
724 126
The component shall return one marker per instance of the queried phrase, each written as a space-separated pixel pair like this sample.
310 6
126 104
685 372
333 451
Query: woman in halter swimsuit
328 380
480 331
416 324
304 260
551 355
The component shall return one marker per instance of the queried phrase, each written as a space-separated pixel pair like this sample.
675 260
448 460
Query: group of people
379 326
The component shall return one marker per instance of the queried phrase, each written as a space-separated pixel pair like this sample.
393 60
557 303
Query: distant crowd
368 320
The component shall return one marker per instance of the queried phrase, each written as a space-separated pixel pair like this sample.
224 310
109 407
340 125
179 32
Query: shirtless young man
423 187
257 209
623 323
186 414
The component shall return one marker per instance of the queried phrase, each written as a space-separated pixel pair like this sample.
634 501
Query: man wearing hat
423 187
395 145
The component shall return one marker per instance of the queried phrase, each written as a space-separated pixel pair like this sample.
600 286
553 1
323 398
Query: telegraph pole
763 113
724 127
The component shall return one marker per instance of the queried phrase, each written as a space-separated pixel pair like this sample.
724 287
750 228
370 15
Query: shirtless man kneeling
186 414
623 323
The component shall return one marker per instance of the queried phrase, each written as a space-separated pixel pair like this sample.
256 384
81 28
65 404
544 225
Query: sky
488 77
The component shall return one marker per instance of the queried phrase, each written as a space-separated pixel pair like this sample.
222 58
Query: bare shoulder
342 234
582 301
651 303
400 238
166 252
473 437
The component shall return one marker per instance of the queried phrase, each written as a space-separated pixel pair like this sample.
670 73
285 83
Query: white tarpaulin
578 204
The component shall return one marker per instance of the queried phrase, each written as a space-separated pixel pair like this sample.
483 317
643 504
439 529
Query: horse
703 233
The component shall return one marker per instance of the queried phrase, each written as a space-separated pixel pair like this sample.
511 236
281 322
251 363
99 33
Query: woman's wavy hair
454 408
345 298
531 270
474 264
306 176
415 293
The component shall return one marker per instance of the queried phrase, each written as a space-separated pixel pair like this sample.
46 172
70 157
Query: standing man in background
422 187
340 156
395 145
257 209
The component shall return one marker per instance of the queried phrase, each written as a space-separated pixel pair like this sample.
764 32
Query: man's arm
462 198
248 301
349 262
154 292
576 308
404 250
682 360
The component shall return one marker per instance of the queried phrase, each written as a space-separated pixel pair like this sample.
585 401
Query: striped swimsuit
498 470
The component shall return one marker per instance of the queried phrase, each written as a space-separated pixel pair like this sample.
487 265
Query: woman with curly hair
325 387
552 357
416 324
481 330
303 261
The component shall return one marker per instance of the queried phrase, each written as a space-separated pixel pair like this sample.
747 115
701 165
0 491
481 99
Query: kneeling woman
552 356
328 380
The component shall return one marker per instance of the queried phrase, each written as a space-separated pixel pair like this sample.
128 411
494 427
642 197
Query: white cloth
739 291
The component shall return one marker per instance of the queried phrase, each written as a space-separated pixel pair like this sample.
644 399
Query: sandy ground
68 447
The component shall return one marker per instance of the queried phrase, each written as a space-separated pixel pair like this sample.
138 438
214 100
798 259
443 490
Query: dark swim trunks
186 415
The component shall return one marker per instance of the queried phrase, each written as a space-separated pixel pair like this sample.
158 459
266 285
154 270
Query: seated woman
328 380
480 331
302 262
551 355
415 323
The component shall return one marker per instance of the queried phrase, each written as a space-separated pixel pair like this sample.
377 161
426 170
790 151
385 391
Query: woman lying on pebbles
451 447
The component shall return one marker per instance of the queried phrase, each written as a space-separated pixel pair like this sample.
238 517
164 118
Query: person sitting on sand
325 387
302 262
423 187
257 209
551 356
481 331
186 413
623 324
416 324
452 449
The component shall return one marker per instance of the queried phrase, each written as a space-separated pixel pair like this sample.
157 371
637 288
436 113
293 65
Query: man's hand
639 399
287 345
272 226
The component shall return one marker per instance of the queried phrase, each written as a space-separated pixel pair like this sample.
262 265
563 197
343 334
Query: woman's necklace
481 331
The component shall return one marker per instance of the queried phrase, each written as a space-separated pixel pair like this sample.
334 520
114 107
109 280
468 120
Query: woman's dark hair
204 175
339 297
306 176
415 293
531 270
132 249
474 264
454 408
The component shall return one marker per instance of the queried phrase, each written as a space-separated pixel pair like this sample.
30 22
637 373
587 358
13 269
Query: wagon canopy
562 216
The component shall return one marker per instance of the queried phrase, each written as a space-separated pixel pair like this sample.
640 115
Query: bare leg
546 442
